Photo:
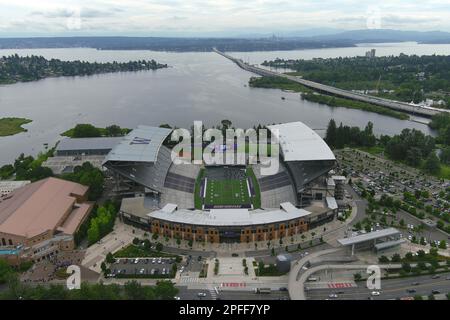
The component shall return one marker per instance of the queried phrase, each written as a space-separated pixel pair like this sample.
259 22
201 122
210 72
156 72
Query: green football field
226 192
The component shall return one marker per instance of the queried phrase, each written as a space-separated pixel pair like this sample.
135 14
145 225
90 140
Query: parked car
375 293
332 296
411 290
154 260
435 291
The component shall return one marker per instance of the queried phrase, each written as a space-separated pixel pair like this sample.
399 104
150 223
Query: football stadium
225 203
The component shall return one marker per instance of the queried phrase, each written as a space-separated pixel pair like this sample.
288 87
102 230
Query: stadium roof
369 236
298 142
228 217
140 145
102 143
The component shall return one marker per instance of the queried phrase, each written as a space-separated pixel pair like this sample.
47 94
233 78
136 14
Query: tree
6 171
406 267
155 236
7 273
109 258
330 136
226 124
357 276
396 258
93 232
383 259
443 244
432 164
165 290
159 247
113 131
85 131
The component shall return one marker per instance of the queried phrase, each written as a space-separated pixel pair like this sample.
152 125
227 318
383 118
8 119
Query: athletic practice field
226 192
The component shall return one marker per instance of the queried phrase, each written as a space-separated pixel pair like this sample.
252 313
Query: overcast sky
215 17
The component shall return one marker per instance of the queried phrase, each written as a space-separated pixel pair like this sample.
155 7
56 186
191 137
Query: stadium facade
298 197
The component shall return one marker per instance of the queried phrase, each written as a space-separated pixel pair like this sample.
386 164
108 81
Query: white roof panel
140 145
331 203
298 142
228 217
369 236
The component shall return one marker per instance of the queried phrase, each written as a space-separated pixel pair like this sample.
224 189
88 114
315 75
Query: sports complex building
224 203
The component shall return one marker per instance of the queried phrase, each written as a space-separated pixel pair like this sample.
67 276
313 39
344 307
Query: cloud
83 12
206 16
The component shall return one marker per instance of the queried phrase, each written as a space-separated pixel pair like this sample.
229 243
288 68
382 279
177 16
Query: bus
263 290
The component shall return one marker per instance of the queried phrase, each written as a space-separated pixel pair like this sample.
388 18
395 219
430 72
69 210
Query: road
396 105
390 289
192 294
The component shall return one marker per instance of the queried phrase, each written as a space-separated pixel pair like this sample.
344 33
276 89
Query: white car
177 298
332 296
375 293
136 261
142 271
159 261
164 271
154 260
201 294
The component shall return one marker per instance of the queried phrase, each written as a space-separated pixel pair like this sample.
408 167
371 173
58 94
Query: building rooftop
101 143
369 236
38 207
298 142
140 145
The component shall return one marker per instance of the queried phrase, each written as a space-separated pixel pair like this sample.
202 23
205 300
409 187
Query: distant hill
305 39
387 35
173 44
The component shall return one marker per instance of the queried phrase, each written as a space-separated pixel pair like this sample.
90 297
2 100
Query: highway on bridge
392 104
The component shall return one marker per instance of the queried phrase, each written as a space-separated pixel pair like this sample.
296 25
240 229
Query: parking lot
142 266
384 177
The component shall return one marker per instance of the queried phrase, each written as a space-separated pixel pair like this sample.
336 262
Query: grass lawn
445 172
12 126
227 192
269 271
375 150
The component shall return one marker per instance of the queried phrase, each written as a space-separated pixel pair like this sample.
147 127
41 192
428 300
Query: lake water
197 86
